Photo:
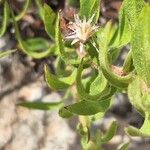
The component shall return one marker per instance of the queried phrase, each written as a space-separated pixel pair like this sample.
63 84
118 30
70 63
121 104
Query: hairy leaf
141 45
114 79
110 133
132 9
90 7
128 15
59 83
49 21
36 44
103 87
135 95
87 107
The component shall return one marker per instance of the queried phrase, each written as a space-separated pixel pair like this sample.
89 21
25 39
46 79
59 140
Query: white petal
74 41
81 47
77 19
71 36
91 19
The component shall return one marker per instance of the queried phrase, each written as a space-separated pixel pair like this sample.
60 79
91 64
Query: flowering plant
84 65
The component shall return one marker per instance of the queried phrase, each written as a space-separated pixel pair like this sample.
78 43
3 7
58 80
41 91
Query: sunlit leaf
57 83
128 15
103 87
90 7
110 133
141 45
135 95
143 131
132 9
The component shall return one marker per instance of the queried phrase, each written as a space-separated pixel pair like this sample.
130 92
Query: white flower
82 30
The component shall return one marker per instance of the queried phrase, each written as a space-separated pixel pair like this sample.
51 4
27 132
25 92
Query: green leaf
128 63
90 7
128 15
103 87
25 47
98 85
58 83
59 40
24 10
35 53
5 19
61 68
114 79
140 98
122 36
143 131
64 113
124 146
36 44
40 8
84 132
49 21
6 53
141 45
110 133
124 32
41 105
135 95
86 107
73 3
132 9
146 100
97 116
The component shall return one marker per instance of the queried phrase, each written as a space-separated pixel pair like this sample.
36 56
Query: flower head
82 30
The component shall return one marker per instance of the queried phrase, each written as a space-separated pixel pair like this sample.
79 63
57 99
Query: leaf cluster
93 80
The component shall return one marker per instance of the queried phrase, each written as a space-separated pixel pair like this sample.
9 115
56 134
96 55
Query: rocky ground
25 129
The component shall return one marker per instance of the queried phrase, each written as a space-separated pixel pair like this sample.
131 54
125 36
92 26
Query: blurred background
21 79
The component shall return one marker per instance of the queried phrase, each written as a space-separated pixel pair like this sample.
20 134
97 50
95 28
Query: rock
31 92
58 134
23 138
7 118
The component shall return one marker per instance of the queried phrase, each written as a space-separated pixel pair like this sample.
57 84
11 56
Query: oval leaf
87 107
